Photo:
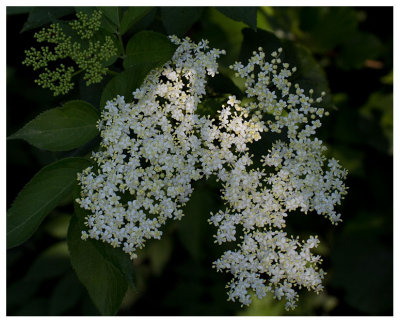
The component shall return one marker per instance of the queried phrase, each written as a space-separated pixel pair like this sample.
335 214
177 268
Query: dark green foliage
124 84
131 16
145 51
50 265
95 266
42 194
61 129
17 10
357 48
40 16
328 27
112 267
111 13
178 20
148 49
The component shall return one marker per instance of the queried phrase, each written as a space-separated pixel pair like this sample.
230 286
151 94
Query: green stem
120 36
76 73
121 43
118 33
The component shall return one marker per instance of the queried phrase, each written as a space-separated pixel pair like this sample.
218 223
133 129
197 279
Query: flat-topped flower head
155 147
150 152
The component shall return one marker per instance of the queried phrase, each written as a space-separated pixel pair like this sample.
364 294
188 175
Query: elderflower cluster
296 177
155 147
150 152
78 44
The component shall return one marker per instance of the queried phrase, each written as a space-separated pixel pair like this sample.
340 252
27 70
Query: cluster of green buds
79 41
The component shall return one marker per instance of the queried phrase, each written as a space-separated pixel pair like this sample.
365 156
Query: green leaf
124 84
178 20
61 129
148 48
92 93
40 16
152 18
309 74
91 260
112 13
248 15
131 16
41 195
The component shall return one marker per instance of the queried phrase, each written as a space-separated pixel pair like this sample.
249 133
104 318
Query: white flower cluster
154 148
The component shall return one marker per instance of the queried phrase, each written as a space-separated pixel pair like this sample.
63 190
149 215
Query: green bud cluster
59 80
91 59
86 26
86 51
